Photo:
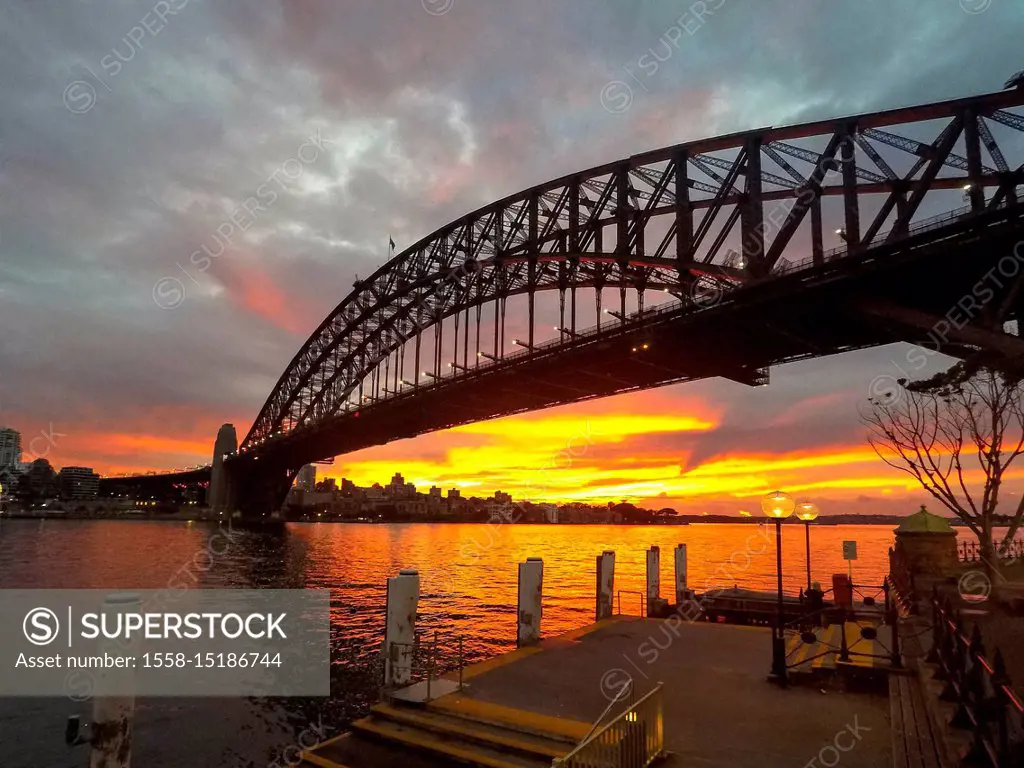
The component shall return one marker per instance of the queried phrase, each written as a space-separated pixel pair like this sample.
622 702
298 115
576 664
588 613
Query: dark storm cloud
132 131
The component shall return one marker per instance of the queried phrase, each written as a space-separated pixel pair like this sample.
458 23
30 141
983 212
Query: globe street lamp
778 506
808 512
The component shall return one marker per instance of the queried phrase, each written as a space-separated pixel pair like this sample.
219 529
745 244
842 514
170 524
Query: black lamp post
808 512
778 506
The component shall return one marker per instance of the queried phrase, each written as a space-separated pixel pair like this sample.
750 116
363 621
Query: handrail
643 600
627 688
653 696
435 664
987 705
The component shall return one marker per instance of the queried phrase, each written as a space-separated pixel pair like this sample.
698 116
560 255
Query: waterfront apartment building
78 483
10 448
399 489
550 512
10 459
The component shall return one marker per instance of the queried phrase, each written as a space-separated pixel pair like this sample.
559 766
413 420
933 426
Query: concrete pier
718 708
697 690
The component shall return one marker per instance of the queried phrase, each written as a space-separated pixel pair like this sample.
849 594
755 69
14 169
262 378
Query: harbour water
468 577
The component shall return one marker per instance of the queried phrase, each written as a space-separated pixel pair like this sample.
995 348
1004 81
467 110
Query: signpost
849 555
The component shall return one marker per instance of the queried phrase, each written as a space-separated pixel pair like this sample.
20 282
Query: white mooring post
113 707
682 592
531 588
605 584
400 630
653 575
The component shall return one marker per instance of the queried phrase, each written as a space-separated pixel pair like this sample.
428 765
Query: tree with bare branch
957 434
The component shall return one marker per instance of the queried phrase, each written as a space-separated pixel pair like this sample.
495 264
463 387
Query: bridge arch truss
686 222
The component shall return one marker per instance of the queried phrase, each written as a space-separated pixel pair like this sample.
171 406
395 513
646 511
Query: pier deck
719 708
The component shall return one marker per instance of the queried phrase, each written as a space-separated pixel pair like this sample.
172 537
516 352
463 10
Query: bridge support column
258 492
605 584
220 497
403 598
531 588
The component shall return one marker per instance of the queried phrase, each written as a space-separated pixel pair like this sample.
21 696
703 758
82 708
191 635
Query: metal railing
867 620
431 656
971 552
920 227
641 595
986 704
634 739
902 582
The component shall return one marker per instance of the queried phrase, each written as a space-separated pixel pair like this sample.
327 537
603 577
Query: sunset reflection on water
468 572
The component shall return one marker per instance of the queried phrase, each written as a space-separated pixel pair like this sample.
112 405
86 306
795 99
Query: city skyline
138 386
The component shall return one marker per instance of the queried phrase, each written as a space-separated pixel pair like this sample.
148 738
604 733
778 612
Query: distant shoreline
680 520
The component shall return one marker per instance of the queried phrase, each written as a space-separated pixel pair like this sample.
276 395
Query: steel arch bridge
660 221
704 248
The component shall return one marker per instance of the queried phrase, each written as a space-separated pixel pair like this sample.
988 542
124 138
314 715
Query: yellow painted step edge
322 762
425 723
431 745
496 714
310 755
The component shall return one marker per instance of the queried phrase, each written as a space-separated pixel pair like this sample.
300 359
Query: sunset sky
110 177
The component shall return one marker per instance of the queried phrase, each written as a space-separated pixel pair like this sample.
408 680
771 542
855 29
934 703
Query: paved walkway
719 708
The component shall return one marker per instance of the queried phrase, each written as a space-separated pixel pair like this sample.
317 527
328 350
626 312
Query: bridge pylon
222 499
253 486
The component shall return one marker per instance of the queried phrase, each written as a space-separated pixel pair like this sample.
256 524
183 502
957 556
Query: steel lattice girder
552 236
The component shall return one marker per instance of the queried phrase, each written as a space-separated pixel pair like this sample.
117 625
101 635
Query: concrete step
502 738
351 750
451 749
557 729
